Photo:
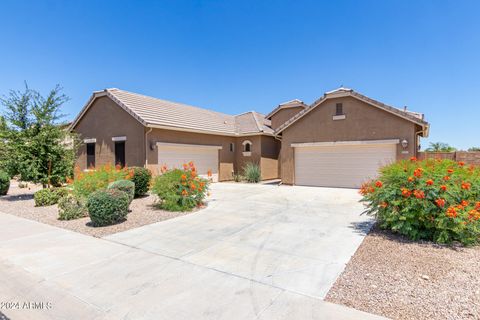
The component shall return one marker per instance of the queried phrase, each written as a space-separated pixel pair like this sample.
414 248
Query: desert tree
35 137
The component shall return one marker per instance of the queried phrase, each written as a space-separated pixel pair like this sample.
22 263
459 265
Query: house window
90 155
247 148
232 147
339 109
120 153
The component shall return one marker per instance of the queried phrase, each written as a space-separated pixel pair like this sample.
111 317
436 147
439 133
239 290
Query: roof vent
405 108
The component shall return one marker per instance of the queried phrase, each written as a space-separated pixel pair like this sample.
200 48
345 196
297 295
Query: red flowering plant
86 182
436 200
180 189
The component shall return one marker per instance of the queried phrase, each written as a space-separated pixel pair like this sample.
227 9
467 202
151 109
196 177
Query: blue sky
235 56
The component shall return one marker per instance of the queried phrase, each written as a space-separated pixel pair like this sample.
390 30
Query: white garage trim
345 165
203 146
344 143
205 157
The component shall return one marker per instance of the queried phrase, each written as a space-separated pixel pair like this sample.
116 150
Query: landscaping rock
410 280
19 202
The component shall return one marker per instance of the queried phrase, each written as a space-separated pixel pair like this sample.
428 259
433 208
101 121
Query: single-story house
339 140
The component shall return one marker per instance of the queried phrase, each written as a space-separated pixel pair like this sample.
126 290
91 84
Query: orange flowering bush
180 189
87 182
437 200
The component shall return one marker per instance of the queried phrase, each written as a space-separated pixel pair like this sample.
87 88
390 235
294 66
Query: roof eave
281 107
103 93
183 129
95 95
219 133
351 93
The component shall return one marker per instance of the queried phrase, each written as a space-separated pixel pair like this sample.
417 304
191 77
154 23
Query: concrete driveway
294 238
256 252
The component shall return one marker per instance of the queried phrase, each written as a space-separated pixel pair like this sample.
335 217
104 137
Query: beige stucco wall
104 120
283 115
256 153
363 122
269 158
264 153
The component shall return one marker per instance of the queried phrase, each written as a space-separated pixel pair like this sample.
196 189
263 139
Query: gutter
219 133
146 146
424 132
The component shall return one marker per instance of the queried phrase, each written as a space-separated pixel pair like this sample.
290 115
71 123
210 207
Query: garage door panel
340 166
205 159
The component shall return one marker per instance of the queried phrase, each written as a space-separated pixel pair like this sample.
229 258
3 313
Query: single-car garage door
341 164
205 157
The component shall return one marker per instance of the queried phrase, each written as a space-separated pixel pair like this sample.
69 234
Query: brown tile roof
153 112
252 122
285 105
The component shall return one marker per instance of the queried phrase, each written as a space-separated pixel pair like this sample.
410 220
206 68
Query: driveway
256 252
294 238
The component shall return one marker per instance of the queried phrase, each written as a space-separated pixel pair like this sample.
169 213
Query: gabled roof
415 117
285 105
153 112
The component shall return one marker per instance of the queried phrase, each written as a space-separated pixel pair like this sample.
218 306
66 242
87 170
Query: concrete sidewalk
80 277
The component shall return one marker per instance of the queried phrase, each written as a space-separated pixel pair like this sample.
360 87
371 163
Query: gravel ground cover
19 202
400 279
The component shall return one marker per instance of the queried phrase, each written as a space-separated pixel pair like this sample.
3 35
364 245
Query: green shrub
126 186
4 183
97 179
180 190
106 207
49 196
141 178
251 172
70 208
437 200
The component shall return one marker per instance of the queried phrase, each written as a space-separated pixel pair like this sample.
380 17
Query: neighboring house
339 140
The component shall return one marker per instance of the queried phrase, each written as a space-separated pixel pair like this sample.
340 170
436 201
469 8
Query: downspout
417 134
279 138
147 146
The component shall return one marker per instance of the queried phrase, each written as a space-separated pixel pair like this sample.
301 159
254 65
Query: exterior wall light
404 143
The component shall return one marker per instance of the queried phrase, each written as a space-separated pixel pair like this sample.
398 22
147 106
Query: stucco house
339 140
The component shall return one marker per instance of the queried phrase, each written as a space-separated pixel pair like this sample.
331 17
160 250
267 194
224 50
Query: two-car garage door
340 165
204 157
